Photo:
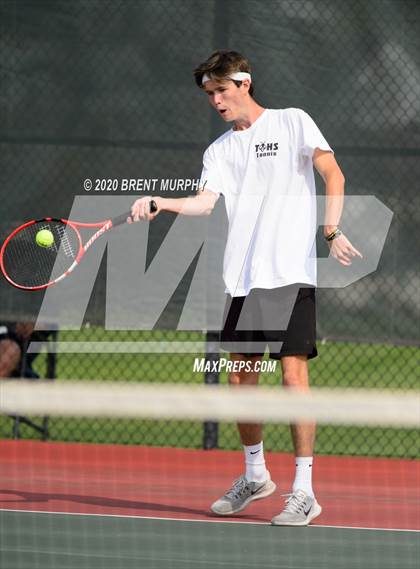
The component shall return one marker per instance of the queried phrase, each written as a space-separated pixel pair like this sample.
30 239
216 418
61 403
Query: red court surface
179 483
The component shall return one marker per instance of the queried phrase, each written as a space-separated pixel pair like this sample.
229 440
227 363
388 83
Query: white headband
238 76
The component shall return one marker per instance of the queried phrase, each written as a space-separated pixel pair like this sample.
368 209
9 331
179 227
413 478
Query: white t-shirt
266 176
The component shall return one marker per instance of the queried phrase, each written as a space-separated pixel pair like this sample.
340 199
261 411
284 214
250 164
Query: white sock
255 463
303 477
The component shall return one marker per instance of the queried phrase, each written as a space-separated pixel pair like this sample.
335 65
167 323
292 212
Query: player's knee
234 378
9 357
295 380
243 370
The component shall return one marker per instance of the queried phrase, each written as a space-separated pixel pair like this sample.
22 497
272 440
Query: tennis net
80 504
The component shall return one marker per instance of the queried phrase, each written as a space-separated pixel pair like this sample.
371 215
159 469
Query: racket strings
65 242
31 265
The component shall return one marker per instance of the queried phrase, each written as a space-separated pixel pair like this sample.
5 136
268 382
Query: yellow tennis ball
44 238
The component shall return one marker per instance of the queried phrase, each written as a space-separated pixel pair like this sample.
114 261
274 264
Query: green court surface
60 541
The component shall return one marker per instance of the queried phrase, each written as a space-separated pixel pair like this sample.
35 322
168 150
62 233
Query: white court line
216 521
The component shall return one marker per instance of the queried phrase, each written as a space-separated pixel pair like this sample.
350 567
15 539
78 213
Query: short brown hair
221 64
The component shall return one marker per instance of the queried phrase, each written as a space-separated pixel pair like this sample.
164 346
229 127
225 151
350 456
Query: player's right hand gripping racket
29 265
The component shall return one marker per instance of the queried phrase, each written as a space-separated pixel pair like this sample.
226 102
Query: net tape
210 403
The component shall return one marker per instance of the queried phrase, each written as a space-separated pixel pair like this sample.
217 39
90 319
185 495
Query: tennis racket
29 266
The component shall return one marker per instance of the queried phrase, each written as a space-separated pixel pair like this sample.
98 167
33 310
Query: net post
211 428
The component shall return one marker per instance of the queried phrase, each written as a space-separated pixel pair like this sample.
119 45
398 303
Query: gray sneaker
241 494
299 510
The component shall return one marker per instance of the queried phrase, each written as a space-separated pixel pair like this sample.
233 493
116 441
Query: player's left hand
342 250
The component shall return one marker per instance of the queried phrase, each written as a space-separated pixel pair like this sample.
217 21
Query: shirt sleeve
210 178
310 137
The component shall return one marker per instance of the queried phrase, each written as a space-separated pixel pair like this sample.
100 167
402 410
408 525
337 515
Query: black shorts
283 318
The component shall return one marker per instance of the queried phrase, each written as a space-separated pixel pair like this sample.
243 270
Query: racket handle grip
120 219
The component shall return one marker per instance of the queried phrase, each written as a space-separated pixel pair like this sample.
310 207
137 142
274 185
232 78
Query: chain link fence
103 90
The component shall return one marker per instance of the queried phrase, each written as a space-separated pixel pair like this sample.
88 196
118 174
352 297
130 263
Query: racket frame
103 226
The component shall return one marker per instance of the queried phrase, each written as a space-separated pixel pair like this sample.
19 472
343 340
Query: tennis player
263 166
